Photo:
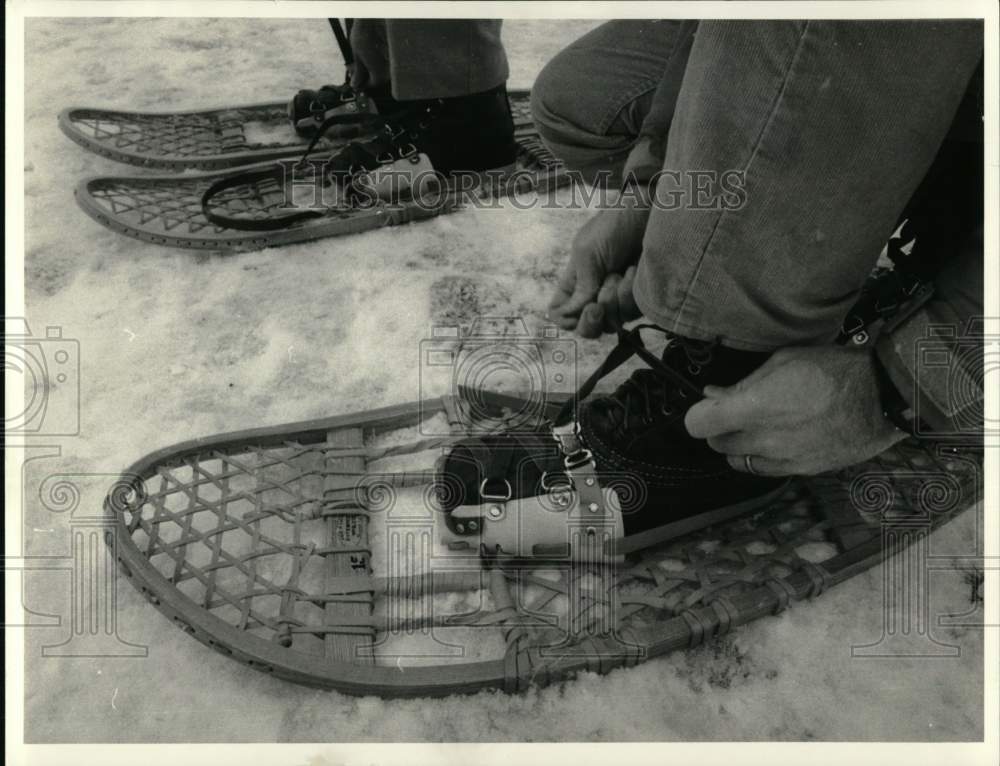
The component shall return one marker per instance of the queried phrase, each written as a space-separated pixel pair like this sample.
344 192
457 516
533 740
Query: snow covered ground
176 344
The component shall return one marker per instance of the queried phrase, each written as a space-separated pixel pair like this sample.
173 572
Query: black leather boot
631 443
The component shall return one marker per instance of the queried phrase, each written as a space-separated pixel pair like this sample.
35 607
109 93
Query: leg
371 51
834 125
444 58
591 100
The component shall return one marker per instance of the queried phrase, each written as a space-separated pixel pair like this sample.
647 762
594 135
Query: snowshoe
308 551
257 207
222 137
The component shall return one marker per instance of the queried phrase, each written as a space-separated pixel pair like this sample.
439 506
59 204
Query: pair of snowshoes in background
332 161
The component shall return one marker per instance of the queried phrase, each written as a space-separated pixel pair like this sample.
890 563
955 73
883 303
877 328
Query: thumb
591 323
716 392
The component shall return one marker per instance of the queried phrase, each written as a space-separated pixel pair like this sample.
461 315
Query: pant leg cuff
671 321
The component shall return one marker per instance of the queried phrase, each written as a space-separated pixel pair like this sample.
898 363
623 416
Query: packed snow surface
175 345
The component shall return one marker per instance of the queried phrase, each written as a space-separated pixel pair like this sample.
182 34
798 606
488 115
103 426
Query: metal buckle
566 484
496 498
578 459
569 444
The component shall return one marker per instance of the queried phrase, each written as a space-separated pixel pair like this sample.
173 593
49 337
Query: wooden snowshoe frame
261 544
167 210
209 139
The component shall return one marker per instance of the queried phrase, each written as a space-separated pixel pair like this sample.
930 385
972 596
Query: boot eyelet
666 411
694 369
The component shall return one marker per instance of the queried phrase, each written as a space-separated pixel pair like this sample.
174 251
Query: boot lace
649 394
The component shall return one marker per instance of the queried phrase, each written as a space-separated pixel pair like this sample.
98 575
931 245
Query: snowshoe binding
428 147
623 475
342 109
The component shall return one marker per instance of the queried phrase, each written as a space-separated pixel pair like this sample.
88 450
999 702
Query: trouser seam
632 95
753 155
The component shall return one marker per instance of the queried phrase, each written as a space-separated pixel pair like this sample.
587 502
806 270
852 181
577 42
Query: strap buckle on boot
557 481
578 459
569 443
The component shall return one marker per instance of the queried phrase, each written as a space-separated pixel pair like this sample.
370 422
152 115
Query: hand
596 286
804 411
614 306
